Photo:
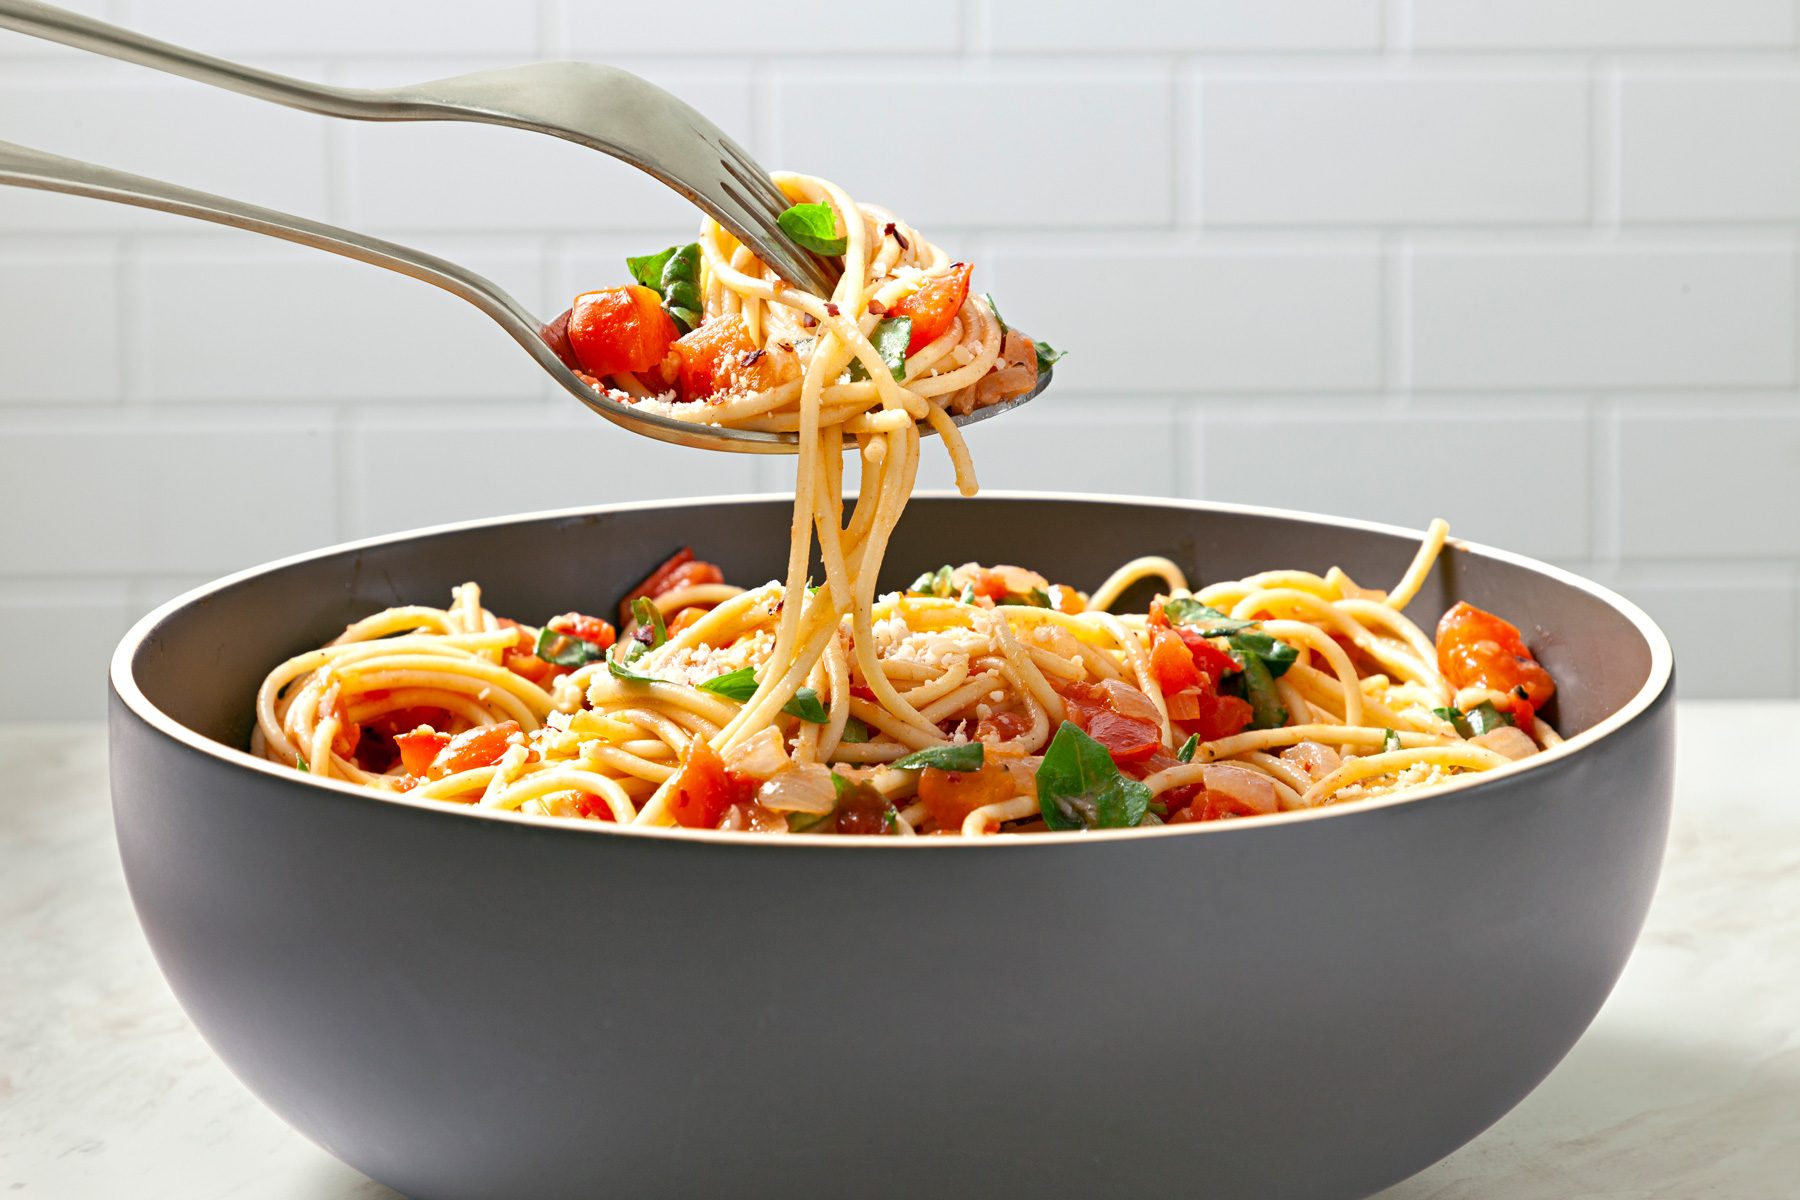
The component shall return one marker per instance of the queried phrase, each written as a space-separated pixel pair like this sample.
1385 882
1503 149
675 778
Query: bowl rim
1656 683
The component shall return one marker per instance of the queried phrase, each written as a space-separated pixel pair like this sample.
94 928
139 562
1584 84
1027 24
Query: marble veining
1687 1087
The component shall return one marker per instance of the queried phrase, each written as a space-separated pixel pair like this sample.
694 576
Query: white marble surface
1688 1084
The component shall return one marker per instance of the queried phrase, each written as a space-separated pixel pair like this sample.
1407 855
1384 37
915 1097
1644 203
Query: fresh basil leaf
1457 719
1080 787
890 337
622 670
1390 741
935 583
1275 655
300 764
807 707
1158 810
995 309
737 685
1186 753
565 650
1267 710
855 732
800 822
648 616
1047 356
1035 598
1185 610
891 818
681 287
964 756
647 269
1485 716
814 226
968 594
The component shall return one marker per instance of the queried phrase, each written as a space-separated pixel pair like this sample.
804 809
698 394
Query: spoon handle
21 166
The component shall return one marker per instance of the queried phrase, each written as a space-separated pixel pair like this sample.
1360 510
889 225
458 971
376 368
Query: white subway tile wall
1531 265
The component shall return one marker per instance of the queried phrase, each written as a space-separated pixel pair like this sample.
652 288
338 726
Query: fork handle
85 33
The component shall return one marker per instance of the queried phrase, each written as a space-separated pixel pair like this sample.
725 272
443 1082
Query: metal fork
600 107
596 106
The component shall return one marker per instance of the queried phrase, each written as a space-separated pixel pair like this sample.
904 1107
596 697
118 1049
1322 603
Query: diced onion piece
1509 740
1057 641
753 818
1316 760
803 787
1250 788
762 755
1018 580
1127 701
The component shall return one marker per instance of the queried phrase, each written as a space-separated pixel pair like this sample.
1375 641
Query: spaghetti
980 699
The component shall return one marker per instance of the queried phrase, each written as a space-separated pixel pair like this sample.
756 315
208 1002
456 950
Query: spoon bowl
21 166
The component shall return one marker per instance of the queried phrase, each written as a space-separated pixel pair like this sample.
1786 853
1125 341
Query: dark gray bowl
1307 1005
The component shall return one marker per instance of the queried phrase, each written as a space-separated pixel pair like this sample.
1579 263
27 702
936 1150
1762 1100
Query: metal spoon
600 107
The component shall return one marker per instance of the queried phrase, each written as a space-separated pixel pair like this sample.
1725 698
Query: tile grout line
1605 482
1397 319
134 373
1606 149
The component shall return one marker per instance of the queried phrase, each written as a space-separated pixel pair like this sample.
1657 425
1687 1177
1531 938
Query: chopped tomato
619 330
1477 649
692 574
1207 656
1190 690
1172 662
1524 713
950 796
481 746
862 810
989 584
1215 716
593 807
1204 807
1184 705
934 306
712 357
704 789
1002 727
1129 736
399 720
863 691
680 569
688 616
521 657
1082 701
588 629
419 748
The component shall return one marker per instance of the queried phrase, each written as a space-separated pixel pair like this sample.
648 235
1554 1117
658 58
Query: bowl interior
202 659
